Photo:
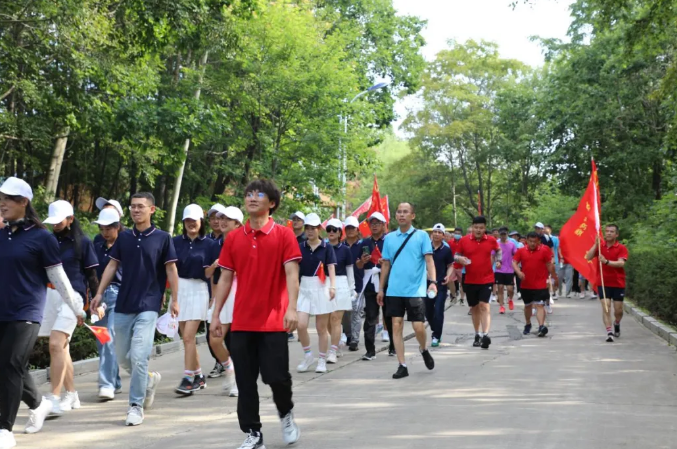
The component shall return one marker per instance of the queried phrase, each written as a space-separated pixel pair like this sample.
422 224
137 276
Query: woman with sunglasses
315 296
345 285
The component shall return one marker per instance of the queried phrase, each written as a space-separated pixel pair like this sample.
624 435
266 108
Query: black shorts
397 305
476 293
504 278
541 296
613 293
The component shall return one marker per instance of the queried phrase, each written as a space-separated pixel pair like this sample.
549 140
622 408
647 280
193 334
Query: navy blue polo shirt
24 256
356 252
344 258
75 267
103 254
442 257
194 256
311 259
143 256
369 242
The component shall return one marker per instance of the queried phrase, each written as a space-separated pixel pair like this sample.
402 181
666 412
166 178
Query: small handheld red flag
375 255
290 225
101 333
320 273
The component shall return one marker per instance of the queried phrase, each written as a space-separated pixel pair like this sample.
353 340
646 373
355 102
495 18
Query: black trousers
17 339
266 353
371 311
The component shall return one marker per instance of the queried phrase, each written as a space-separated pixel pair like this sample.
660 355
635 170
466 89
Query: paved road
570 391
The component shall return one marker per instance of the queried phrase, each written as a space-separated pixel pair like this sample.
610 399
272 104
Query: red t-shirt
480 270
534 266
258 257
453 245
613 277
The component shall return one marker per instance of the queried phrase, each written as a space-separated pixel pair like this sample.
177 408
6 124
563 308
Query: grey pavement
569 390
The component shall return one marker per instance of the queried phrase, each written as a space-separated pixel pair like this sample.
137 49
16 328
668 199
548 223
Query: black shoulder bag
395 257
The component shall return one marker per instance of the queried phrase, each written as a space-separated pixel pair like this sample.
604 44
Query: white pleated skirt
226 315
193 300
314 297
344 295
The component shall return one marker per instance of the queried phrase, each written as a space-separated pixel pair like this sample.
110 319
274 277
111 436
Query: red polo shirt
613 277
258 257
453 244
534 266
480 270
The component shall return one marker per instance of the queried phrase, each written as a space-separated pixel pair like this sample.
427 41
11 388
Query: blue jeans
109 372
134 335
434 311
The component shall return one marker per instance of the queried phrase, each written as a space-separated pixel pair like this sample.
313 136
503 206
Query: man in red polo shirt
264 256
613 257
532 264
474 251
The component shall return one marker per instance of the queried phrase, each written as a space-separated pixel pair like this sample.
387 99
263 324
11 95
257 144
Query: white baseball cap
351 221
107 217
312 220
234 213
300 215
335 222
58 212
16 187
539 225
193 211
379 216
217 208
102 202
439 227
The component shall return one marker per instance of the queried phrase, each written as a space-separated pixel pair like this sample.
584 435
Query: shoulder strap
402 247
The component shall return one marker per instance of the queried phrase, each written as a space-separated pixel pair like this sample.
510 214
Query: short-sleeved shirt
453 244
24 256
103 255
356 253
75 266
312 258
480 271
407 278
370 243
613 277
555 247
344 258
534 266
508 250
143 256
442 257
547 241
194 256
258 257
301 238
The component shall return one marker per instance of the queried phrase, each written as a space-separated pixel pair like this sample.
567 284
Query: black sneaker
186 387
542 331
477 341
610 337
290 336
486 341
428 359
352 347
617 330
200 383
369 356
401 372
527 329
217 371
391 353
254 440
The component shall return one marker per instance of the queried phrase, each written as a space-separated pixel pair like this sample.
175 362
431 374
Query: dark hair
533 235
201 232
30 215
77 235
479 220
548 226
494 230
411 205
145 195
340 232
458 229
613 225
269 188
503 229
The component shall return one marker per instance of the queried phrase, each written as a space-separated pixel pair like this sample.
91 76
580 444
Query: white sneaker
7 439
234 392
253 441
582 295
435 341
344 340
106 393
321 366
229 381
153 382
492 298
56 405
552 302
305 364
548 308
70 402
134 416
290 431
385 337
554 295
331 357
339 353
36 418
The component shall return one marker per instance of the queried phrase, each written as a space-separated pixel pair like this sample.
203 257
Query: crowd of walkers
254 283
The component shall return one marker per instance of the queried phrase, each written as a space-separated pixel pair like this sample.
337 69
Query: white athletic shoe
106 393
305 364
331 357
339 353
385 337
492 298
343 341
56 405
70 402
254 440
7 439
290 431
36 418
552 302
234 392
134 416
229 381
582 295
321 366
548 308
153 382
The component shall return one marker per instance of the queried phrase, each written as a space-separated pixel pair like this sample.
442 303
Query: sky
491 20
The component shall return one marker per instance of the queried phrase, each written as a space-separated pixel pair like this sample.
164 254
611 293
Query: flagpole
601 274
598 225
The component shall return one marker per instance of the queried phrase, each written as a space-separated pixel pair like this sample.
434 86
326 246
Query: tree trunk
56 163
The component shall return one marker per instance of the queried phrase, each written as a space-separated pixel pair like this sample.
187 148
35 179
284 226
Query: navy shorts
613 293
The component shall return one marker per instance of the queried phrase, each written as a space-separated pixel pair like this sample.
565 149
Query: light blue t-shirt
518 245
407 277
555 246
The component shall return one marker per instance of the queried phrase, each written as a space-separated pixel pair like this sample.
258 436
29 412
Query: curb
41 376
667 333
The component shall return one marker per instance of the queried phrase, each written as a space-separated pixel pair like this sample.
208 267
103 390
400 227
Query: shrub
652 280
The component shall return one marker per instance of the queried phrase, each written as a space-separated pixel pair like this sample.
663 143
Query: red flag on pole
320 273
101 333
580 232
376 206
364 207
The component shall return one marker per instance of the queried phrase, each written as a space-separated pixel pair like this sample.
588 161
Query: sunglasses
332 229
